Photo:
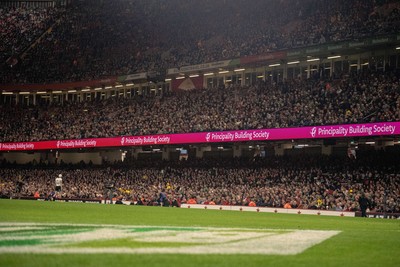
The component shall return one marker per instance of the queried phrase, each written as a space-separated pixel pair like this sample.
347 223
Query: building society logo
313 131
208 135
58 144
98 239
122 140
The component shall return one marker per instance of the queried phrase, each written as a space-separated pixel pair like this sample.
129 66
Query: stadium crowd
20 27
94 39
332 183
366 97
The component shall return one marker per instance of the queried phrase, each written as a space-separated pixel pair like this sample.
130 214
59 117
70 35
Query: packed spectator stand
20 27
94 39
305 182
360 98
59 44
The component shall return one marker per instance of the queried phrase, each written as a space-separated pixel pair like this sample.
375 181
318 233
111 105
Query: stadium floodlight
301 145
370 143
24 93
108 87
274 65
223 71
119 86
398 48
208 74
293 62
193 75
41 92
237 70
180 77
312 59
98 88
333 57
129 84
7 93
57 92
168 80
85 90
71 91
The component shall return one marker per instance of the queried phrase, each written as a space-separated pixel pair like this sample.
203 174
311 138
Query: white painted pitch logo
95 239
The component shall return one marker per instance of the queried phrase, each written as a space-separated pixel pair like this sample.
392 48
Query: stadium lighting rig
274 65
333 57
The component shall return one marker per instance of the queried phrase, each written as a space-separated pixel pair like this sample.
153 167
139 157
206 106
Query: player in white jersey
58 184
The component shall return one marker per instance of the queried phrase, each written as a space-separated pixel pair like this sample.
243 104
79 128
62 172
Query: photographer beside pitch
364 203
109 191
19 184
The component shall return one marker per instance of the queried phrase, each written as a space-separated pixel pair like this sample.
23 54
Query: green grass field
359 241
